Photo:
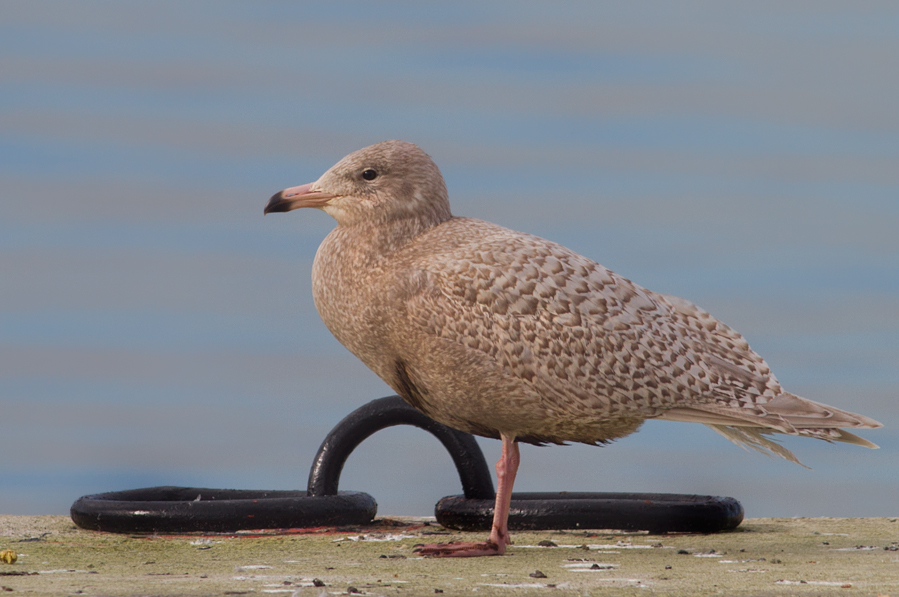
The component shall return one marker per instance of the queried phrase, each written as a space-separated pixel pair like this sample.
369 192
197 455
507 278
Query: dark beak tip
275 204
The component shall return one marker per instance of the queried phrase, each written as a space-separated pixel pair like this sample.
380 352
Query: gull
510 336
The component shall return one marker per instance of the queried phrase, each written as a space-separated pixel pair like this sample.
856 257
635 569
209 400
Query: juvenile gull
510 336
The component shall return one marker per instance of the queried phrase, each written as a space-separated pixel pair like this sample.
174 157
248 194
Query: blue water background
156 329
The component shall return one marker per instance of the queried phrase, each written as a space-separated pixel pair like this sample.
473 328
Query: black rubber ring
653 512
191 509
387 412
199 509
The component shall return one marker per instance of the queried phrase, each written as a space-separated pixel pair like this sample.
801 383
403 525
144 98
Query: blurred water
156 329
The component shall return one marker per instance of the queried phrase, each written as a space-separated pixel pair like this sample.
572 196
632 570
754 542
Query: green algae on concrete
803 556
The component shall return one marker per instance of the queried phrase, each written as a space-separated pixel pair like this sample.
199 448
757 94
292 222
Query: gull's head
387 181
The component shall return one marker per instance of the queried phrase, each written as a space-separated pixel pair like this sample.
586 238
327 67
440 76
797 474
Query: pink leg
506 468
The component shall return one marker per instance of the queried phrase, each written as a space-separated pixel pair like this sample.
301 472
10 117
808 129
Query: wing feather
595 343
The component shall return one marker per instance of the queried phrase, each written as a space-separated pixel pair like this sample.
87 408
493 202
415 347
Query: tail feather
837 435
754 438
787 414
803 413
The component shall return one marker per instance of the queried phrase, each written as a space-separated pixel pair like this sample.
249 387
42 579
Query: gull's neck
373 241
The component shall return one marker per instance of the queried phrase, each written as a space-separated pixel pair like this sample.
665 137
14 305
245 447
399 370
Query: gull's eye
369 174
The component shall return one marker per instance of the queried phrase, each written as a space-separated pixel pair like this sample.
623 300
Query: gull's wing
593 341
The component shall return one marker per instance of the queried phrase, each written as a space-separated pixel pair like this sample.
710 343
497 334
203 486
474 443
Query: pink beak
297 197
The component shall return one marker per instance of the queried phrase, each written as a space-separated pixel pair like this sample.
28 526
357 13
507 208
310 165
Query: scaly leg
506 468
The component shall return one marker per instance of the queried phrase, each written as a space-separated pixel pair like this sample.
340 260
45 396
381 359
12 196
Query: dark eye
369 174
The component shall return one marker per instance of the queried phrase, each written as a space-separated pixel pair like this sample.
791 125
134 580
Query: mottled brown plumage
508 335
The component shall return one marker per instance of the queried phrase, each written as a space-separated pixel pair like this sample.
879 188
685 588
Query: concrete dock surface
763 556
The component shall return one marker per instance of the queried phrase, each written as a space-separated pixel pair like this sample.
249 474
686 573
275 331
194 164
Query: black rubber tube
653 512
200 509
191 509
324 476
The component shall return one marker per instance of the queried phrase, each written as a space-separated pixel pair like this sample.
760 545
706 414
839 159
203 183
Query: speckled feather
494 331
